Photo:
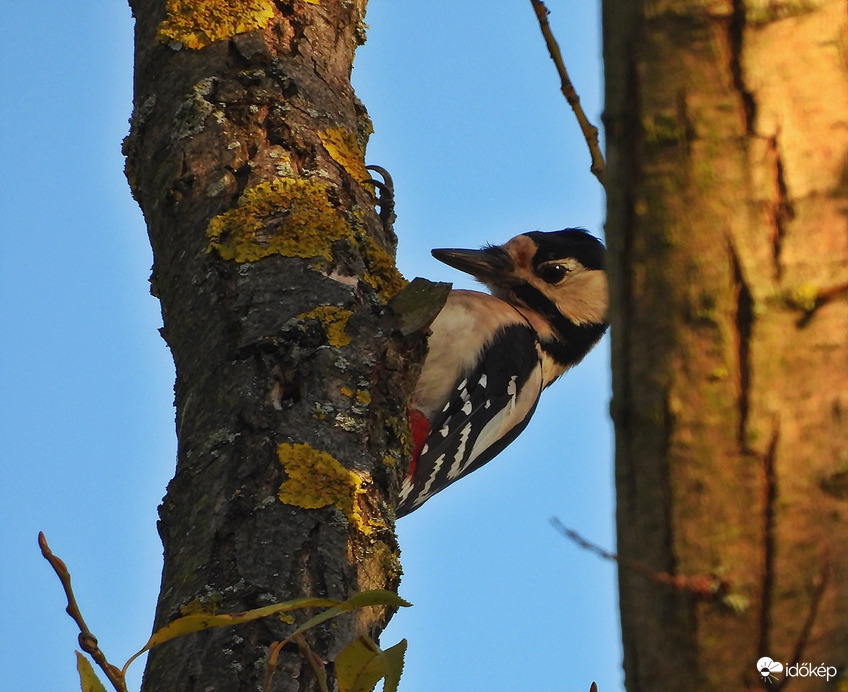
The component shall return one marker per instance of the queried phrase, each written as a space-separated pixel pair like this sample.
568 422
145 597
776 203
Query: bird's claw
385 198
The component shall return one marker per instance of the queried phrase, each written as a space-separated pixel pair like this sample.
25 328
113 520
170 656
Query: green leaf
362 664
89 682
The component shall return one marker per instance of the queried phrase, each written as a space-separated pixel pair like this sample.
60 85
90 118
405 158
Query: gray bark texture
275 274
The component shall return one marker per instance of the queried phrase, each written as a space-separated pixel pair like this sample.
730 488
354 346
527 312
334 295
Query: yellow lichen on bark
342 146
334 320
292 217
383 275
197 23
317 479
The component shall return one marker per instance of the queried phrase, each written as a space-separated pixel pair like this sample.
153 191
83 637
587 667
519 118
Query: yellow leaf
393 657
362 664
196 622
363 599
89 682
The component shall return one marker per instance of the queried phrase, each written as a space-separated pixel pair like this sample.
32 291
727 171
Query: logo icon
768 669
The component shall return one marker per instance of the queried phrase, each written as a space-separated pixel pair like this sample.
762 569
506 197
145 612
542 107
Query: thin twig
707 587
822 297
87 641
590 132
271 664
819 588
315 663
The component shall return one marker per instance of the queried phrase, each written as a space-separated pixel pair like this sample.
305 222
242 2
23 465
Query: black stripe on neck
575 340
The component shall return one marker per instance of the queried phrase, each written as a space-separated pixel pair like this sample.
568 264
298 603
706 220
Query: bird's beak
490 263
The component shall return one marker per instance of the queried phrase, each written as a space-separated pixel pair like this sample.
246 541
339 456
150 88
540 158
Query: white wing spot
467 408
425 491
405 489
484 380
457 467
511 389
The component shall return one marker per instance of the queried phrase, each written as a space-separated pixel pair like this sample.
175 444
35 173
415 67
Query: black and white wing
487 410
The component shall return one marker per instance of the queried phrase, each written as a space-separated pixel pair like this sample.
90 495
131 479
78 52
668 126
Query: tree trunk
273 271
728 193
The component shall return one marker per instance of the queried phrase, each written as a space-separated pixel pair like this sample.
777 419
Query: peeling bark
246 155
727 198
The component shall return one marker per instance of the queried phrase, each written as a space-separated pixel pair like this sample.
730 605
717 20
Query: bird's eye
553 273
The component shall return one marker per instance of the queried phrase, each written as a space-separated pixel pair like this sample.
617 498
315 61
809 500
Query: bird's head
556 274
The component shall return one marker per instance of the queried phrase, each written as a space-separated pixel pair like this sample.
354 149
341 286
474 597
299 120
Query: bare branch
590 132
87 641
819 588
707 587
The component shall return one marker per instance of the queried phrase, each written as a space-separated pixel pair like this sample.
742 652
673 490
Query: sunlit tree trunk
727 135
246 155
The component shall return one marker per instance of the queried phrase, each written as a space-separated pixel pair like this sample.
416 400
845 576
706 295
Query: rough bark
728 193
274 272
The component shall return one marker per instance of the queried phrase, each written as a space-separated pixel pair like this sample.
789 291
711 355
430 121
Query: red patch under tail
420 432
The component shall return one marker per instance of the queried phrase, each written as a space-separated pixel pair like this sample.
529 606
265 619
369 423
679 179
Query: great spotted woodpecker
490 356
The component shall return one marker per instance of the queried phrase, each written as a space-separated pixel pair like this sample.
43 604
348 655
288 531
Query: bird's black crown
570 242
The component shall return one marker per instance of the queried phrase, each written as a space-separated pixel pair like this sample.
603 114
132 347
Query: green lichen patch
334 320
197 23
317 479
342 146
292 217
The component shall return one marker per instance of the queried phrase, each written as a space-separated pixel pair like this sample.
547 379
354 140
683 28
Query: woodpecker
491 355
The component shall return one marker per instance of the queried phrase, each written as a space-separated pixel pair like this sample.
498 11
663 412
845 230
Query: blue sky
471 124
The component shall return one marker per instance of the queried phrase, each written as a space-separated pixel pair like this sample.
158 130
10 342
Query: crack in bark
744 326
769 538
685 119
782 209
736 36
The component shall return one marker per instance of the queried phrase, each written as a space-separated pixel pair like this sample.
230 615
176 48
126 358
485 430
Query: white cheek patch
584 297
